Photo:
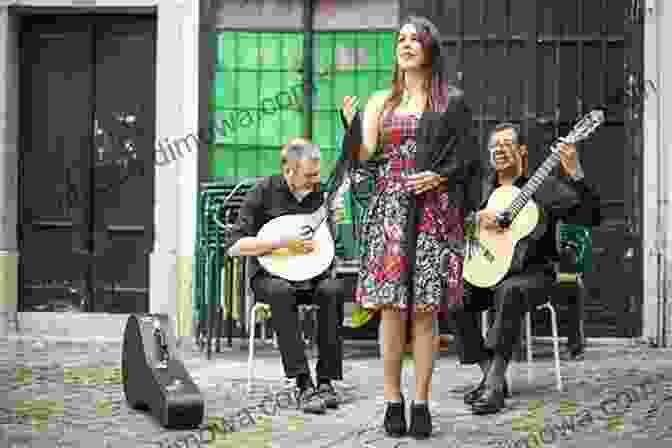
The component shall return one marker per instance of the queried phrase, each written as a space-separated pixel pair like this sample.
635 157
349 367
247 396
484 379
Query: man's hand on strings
296 244
488 219
303 244
302 247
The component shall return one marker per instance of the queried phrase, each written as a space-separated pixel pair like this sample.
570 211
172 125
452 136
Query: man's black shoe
574 353
395 419
476 392
328 394
421 421
491 401
310 402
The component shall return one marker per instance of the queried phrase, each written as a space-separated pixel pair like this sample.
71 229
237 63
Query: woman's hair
436 83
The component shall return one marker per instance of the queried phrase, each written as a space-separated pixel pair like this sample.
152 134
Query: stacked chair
218 286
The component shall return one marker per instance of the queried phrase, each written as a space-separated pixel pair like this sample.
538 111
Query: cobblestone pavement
69 395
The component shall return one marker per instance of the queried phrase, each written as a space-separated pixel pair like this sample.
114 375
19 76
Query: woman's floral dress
383 237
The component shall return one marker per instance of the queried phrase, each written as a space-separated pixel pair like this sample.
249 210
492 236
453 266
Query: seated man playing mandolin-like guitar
295 192
567 197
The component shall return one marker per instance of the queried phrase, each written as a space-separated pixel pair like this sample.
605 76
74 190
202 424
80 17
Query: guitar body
293 267
484 272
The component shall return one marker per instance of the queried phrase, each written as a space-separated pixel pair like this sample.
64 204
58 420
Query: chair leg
250 356
315 324
264 328
528 346
484 323
556 345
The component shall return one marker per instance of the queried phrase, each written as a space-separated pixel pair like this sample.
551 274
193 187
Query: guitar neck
584 128
533 184
319 215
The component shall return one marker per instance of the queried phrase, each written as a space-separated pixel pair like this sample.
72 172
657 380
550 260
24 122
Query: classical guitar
519 213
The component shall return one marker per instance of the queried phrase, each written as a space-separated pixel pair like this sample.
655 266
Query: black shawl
446 146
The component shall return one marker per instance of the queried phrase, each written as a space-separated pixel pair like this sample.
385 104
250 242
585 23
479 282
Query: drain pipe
308 14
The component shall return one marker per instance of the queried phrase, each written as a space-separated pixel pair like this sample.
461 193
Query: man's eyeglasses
496 146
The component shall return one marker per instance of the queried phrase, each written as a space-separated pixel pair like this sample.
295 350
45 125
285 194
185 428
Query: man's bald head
301 164
299 149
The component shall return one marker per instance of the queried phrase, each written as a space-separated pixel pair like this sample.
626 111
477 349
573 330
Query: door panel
87 178
56 73
125 57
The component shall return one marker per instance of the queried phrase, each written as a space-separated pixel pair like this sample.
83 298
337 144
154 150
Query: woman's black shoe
421 421
395 419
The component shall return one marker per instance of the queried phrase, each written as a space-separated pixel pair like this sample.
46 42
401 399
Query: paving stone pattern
69 395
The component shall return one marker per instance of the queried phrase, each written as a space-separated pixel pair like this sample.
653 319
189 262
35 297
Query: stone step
71 326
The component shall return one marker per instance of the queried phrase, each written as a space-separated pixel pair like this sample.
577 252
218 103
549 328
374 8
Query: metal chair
574 246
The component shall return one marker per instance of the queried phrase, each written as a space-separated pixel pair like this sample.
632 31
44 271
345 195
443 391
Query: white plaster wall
650 205
8 170
188 171
657 166
175 183
9 83
665 141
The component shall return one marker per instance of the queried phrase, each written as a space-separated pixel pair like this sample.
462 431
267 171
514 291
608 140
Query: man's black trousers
511 299
283 297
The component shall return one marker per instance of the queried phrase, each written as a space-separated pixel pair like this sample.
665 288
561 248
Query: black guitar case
154 378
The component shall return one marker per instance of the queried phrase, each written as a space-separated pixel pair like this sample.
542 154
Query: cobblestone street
64 394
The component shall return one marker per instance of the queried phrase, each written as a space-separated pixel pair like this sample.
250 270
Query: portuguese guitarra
287 263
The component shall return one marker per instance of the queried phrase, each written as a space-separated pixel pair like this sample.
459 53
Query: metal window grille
258 93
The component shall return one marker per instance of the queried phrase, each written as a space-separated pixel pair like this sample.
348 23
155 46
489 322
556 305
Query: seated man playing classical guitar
566 197
295 191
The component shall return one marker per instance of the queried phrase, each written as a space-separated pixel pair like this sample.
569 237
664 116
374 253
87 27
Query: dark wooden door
542 64
87 178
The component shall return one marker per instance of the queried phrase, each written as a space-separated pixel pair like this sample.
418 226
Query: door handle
99 133
126 119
